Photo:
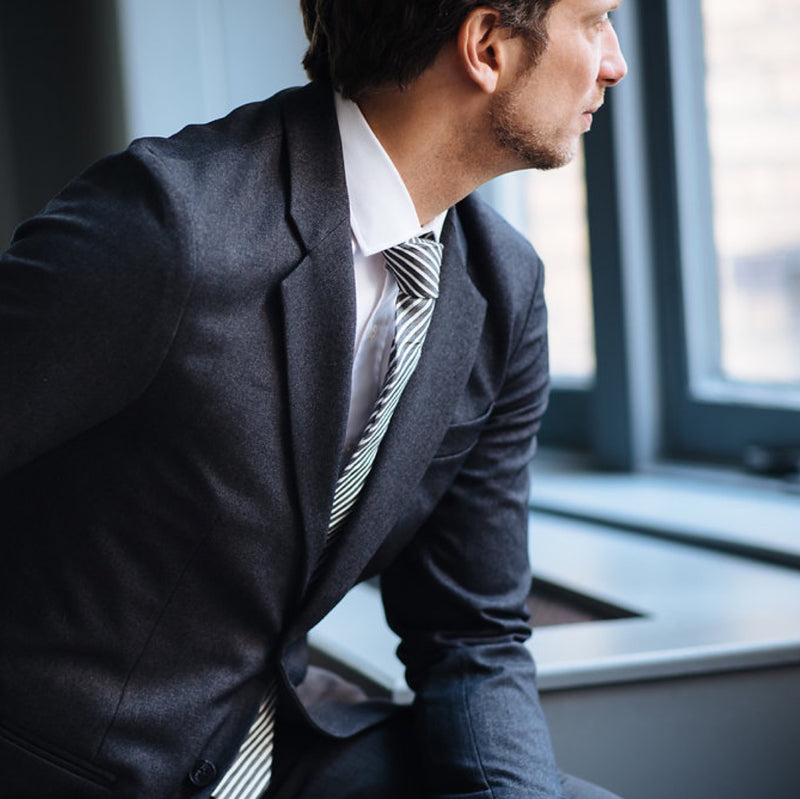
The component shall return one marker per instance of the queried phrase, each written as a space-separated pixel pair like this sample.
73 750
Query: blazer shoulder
217 153
231 142
113 225
234 182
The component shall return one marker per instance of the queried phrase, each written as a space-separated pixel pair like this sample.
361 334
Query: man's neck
426 131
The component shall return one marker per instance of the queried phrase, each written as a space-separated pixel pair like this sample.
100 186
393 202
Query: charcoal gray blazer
176 341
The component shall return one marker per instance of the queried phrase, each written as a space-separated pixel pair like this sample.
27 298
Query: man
231 389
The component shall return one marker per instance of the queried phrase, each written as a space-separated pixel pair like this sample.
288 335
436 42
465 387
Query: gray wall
59 100
81 79
193 60
717 736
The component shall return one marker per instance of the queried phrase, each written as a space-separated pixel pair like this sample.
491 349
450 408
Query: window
752 91
734 381
550 208
555 206
692 180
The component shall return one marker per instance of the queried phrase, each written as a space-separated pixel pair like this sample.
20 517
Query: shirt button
203 773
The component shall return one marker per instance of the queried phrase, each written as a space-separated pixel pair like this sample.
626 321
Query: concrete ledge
700 611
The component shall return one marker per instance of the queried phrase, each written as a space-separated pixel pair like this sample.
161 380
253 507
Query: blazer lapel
319 308
418 425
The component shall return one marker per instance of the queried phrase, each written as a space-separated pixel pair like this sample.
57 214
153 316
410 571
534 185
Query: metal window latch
774 461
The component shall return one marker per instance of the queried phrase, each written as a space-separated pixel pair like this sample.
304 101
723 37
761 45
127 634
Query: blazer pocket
461 437
31 769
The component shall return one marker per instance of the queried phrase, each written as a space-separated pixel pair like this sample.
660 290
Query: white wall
193 60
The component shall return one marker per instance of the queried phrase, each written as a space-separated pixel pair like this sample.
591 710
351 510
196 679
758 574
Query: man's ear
481 43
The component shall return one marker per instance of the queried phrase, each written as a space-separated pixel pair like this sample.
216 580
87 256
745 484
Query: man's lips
588 115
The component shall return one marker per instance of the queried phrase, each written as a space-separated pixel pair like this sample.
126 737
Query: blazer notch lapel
319 305
418 425
319 312
318 199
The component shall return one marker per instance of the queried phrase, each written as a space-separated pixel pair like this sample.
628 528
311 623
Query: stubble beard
530 148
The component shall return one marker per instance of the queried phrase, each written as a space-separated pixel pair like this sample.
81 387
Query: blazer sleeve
90 294
457 598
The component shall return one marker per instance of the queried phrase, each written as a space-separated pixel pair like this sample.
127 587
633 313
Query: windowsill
703 563
715 508
700 553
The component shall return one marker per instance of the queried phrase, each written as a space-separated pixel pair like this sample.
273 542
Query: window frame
647 165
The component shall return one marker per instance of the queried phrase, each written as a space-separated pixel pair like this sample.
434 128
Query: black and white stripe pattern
250 773
415 265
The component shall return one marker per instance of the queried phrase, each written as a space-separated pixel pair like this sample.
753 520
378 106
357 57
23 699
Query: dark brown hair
365 44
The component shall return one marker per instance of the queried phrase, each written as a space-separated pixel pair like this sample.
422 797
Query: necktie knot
415 265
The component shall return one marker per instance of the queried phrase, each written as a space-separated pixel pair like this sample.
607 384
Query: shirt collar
382 213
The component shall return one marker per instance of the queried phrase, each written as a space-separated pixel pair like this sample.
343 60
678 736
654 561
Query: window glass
753 104
555 220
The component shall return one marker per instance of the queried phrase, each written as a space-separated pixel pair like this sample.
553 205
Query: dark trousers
378 764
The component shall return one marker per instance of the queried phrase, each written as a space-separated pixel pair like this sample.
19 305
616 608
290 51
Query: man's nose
613 66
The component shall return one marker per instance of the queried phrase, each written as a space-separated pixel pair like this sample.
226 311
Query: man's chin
534 150
553 159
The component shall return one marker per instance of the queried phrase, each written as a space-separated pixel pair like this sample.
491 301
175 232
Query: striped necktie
415 265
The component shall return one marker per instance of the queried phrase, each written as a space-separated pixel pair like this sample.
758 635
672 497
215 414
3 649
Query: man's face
538 121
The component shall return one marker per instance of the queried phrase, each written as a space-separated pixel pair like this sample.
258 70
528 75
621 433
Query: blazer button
203 773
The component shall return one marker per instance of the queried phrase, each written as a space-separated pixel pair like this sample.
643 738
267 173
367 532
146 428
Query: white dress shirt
382 215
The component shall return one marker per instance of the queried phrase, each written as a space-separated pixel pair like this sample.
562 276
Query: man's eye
607 20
